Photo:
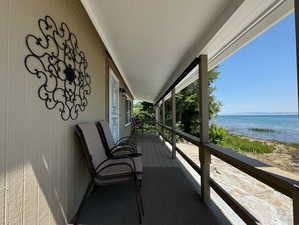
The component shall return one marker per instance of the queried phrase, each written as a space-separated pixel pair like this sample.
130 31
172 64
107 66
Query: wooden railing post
157 117
173 104
297 42
296 195
296 206
204 154
163 118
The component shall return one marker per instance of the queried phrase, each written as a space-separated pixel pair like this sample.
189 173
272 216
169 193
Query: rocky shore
267 205
284 156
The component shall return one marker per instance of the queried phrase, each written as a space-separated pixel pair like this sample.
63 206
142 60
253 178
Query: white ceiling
152 41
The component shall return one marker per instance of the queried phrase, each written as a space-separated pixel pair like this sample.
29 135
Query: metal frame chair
104 170
124 145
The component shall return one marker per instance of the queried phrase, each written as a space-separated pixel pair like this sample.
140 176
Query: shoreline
284 156
264 140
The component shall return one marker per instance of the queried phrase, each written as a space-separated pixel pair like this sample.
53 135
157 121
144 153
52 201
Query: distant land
257 113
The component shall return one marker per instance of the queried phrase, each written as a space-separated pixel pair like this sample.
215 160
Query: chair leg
139 202
138 209
86 194
140 196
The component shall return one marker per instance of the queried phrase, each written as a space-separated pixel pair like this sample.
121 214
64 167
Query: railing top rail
284 182
189 137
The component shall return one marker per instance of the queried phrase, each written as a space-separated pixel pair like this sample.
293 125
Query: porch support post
173 104
296 206
296 194
157 117
163 118
297 42
204 154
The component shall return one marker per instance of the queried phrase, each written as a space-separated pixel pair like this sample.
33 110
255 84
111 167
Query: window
128 110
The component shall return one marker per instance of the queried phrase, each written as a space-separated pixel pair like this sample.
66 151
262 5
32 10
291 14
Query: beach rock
267 205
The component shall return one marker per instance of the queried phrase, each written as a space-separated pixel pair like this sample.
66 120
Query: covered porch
145 50
179 189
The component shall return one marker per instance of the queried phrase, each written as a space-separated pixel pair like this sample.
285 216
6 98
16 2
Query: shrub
179 126
216 134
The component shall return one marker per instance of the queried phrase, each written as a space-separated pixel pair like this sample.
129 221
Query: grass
243 145
262 130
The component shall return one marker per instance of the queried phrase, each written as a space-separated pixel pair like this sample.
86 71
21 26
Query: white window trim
113 76
131 110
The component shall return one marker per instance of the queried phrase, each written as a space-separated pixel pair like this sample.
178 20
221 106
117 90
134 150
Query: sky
261 76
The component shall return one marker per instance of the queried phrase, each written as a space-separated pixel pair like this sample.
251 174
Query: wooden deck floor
169 198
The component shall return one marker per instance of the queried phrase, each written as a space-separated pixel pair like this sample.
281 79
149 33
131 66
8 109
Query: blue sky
261 77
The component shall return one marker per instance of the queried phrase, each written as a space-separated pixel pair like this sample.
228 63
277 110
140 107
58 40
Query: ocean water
286 127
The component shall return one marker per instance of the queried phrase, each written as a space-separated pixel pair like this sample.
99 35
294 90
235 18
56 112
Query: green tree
144 110
137 108
187 104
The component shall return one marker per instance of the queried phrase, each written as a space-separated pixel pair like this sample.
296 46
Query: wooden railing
144 125
279 180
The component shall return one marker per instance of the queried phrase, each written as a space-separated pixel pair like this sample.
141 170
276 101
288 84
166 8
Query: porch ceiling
152 41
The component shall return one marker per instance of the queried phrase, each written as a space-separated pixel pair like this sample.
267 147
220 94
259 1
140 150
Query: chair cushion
127 145
108 133
93 141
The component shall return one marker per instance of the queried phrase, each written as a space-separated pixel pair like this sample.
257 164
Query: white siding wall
42 173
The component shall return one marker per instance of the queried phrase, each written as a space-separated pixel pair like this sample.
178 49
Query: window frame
128 111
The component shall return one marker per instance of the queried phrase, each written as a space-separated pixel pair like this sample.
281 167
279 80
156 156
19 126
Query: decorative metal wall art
55 59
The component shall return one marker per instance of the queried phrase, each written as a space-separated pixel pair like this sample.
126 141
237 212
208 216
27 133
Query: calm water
286 127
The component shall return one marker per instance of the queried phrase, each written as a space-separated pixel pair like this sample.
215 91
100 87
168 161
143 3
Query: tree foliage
144 110
217 134
187 104
187 110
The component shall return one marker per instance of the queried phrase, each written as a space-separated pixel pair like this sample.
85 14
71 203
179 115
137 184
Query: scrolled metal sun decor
57 61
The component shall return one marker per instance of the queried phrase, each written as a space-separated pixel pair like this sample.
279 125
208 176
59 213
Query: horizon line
259 113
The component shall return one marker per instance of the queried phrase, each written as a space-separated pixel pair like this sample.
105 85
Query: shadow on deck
169 197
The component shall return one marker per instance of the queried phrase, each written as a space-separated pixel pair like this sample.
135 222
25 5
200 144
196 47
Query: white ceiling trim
107 44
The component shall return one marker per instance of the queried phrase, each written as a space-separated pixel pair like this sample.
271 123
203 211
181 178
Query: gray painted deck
169 198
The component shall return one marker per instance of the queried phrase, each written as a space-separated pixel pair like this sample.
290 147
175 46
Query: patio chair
137 125
107 171
125 145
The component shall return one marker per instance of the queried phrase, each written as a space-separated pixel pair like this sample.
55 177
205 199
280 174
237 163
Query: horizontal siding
3 109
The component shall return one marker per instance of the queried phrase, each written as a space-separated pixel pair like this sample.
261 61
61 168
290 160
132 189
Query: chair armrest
117 163
132 169
125 137
127 147
123 156
122 151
